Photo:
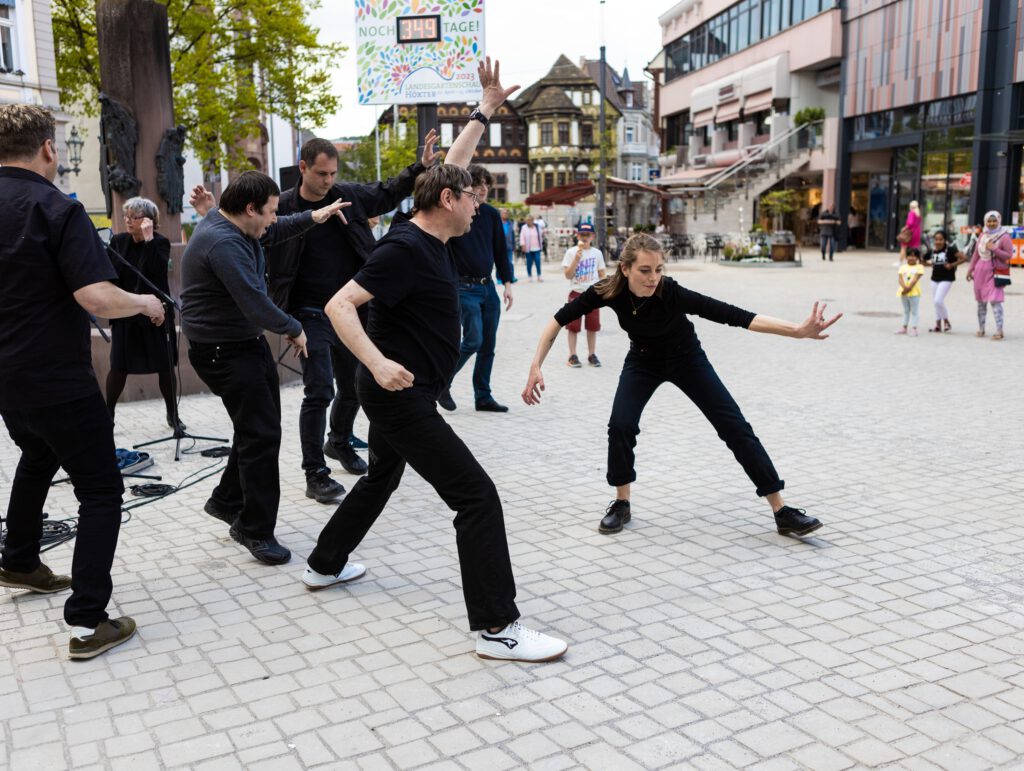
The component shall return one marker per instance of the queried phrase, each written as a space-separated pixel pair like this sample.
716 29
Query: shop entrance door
878 211
905 176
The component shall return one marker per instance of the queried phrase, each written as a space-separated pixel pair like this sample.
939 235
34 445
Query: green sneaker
40 580
109 634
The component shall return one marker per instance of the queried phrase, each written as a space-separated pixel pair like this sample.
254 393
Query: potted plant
777 204
805 117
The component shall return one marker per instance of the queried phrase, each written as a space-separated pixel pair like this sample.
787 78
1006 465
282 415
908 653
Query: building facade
731 78
636 156
932 111
502 148
28 67
561 115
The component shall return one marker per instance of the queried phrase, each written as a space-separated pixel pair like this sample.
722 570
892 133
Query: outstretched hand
534 385
815 324
490 81
321 216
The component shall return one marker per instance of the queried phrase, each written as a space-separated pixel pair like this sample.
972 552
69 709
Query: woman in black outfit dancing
136 346
652 309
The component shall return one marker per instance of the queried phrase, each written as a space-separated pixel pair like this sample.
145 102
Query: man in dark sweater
304 273
224 310
476 254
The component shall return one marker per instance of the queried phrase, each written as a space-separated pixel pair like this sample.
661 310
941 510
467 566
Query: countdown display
418 51
418 29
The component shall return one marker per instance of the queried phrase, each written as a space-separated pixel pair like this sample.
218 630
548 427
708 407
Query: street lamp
74 145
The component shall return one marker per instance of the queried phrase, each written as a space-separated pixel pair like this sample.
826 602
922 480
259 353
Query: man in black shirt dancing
408 353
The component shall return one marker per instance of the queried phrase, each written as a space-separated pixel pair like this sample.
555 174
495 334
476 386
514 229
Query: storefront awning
703 118
575 191
727 112
762 100
685 178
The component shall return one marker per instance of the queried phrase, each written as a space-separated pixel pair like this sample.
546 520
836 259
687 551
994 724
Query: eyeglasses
474 196
135 217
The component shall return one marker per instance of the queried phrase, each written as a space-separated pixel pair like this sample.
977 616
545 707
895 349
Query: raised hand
490 81
430 155
147 229
201 200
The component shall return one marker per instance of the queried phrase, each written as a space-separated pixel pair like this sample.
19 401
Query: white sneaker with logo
350 572
517 643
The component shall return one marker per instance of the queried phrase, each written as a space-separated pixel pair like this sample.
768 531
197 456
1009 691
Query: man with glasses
476 254
408 352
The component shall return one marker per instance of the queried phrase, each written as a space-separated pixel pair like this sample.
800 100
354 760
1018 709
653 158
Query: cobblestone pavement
700 638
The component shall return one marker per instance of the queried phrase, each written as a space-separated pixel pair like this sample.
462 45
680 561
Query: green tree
231 61
360 163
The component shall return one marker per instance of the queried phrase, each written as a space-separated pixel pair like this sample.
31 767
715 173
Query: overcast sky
526 35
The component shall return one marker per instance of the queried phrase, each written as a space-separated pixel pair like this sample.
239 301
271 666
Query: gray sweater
223 281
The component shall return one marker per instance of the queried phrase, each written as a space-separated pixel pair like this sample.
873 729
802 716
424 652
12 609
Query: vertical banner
418 51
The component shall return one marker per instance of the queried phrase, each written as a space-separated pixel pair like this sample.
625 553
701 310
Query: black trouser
329 363
78 436
405 427
689 370
244 376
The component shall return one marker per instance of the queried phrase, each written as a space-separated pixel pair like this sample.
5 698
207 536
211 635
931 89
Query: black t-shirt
414 313
939 259
659 323
326 263
48 250
827 228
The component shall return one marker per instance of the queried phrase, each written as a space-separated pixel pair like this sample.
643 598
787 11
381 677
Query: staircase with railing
723 202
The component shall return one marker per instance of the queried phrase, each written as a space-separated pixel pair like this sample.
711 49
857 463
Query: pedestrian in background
943 259
994 250
531 242
910 236
584 266
828 221
910 274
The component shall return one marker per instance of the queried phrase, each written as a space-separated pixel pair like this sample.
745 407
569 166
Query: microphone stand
171 306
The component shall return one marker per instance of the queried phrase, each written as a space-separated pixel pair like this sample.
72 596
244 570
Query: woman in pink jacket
913 224
531 241
994 249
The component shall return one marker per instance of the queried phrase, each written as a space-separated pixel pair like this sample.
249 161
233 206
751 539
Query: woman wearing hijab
994 250
912 230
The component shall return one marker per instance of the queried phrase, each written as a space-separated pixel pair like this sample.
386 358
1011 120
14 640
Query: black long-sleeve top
482 249
150 258
659 322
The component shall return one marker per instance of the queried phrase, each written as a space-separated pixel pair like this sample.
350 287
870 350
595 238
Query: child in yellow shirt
910 291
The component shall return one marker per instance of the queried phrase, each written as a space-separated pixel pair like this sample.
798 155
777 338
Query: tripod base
176 437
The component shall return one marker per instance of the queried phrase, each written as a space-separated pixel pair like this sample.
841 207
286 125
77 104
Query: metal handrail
747 160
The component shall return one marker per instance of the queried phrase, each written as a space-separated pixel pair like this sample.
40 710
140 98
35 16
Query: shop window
561 178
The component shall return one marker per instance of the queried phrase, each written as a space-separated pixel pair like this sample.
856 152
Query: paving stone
699 637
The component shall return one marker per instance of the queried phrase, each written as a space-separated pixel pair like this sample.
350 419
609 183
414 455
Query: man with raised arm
408 353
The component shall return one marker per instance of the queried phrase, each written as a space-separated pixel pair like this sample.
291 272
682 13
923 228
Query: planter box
783 252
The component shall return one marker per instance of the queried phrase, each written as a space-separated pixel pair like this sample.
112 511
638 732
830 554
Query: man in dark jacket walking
304 273
478 253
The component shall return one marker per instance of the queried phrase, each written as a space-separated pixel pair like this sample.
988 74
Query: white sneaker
350 572
517 643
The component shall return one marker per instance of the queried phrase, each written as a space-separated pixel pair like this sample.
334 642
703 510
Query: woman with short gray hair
136 346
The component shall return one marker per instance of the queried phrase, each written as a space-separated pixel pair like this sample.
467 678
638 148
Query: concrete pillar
745 135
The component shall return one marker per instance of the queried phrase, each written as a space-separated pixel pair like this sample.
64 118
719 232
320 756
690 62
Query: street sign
419 51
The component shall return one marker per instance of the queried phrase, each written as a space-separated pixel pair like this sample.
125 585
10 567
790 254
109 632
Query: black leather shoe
615 516
357 443
491 406
176 424
790 521
346 456
323 489
223 515
269 552
446 400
